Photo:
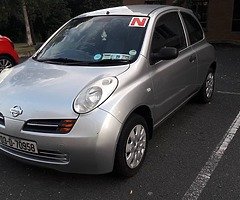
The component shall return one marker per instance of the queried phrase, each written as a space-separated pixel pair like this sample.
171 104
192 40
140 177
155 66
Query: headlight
94 95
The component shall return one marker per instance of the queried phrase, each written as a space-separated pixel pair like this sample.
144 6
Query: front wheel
5 62
205 95
132 146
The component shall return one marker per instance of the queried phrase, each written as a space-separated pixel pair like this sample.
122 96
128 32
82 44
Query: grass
24 50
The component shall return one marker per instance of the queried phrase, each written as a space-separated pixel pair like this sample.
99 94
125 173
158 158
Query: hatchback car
90 98
8 56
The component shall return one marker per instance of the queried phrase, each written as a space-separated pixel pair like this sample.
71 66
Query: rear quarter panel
205 57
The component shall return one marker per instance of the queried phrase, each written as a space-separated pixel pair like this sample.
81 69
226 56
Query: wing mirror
166 53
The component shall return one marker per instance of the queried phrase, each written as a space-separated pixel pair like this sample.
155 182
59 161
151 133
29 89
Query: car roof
137 10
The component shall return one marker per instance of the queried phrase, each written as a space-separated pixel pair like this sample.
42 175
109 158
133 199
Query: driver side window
168 33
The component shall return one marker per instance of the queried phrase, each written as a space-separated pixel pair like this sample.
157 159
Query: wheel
205 95
5 62
132 146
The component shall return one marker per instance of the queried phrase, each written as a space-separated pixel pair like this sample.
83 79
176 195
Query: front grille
43 126
2 119
42 156
49 126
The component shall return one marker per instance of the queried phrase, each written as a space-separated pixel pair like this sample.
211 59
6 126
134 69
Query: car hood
47 91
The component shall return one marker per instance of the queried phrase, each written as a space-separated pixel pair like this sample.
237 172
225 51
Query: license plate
16 143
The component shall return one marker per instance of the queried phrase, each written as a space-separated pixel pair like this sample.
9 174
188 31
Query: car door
173 80
198 44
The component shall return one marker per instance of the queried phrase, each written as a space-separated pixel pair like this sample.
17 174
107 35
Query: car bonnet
47 91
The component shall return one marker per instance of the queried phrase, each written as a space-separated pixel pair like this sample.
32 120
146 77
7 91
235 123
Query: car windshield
100 40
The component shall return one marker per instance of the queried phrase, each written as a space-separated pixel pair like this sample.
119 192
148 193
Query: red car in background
8 56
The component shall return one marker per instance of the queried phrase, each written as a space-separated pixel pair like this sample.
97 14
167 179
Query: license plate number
22 145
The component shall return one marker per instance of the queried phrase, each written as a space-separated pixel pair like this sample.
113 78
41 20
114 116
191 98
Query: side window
194 30
168 33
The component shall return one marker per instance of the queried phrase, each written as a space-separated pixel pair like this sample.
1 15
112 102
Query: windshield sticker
138 22
97 57
115 56
132 52
104 36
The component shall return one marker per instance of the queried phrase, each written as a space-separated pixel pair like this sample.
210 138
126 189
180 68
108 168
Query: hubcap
5 63
136 146
209 85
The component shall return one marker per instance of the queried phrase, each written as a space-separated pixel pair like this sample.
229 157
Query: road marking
232 93
204 176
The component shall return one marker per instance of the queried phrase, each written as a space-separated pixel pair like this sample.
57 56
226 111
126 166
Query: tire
205 95
6 62
131 146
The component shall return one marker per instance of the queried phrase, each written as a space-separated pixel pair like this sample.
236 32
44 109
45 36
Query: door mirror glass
166 53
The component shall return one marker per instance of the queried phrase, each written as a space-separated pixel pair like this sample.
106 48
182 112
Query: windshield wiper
68 61
62 61
117 61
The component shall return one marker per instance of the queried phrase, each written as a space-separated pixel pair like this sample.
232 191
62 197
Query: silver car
90 98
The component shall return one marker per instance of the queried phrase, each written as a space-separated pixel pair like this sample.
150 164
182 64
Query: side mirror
166 53
38 45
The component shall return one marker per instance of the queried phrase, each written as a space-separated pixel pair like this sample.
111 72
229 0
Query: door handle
192 59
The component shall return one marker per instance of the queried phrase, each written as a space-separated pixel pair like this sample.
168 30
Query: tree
27 25
11 20
38 19
78 8
47 16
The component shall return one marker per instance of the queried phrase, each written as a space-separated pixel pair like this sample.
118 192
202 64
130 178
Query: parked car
8 56
91 97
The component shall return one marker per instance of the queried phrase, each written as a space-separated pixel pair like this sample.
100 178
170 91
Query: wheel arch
213 66
146 113
9 56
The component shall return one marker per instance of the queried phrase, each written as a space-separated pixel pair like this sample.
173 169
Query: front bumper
89 148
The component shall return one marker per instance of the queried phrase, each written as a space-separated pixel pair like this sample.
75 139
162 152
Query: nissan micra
90 98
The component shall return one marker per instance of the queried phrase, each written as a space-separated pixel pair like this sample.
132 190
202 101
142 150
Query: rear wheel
132 146
6 62
205 95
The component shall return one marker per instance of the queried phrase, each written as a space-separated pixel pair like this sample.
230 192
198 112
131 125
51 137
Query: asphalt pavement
179 150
